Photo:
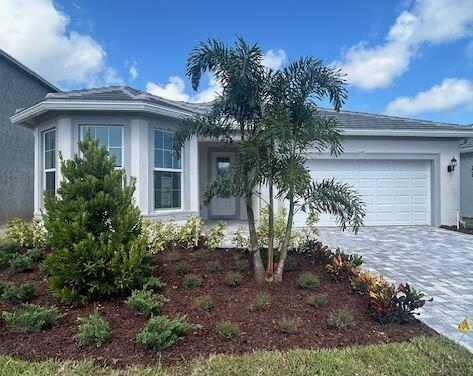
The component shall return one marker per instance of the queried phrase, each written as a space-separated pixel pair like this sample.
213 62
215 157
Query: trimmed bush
260 302
32 318
173 256
204 303
241 265
233 279
15 295
289 326
317 301
145 302
21 263
27 234
10 246
203 255
228 330
214 235
153 283
94 229
162 332
307 280
35 254
182 268
341 319
93 331
9 249
213 266
191 281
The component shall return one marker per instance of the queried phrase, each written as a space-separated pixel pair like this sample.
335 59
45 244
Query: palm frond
204 126
220 187
337 199
208 56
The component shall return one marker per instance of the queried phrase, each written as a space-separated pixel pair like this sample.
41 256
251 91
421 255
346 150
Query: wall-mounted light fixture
451 166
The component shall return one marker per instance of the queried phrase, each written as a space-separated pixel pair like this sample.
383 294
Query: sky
403 58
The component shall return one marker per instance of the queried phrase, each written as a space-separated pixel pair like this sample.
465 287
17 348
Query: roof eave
441 133
27 115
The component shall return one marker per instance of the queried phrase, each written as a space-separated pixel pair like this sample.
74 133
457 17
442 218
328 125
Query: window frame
166 169
48 170
81 137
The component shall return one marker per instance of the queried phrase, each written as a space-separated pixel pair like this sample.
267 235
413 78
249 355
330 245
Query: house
401 167
19 87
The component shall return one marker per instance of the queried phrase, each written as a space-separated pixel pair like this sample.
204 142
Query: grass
420 357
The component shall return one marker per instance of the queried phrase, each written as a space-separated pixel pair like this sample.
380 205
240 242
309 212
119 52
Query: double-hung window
49 161
110 136
167 172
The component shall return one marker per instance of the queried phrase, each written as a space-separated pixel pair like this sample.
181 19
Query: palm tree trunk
287 238
258 266
270 266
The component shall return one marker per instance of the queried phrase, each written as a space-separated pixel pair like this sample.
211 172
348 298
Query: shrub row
162 236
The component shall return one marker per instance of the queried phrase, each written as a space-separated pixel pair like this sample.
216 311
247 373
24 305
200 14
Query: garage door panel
395 192
401 183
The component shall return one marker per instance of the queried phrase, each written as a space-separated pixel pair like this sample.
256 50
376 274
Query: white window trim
46 170
81 137
164 169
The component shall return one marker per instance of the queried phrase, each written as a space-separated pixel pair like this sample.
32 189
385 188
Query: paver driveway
436 261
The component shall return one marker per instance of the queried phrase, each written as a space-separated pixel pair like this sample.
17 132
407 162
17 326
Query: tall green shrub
94 229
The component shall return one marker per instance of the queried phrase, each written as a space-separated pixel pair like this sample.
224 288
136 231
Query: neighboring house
19 87
398 165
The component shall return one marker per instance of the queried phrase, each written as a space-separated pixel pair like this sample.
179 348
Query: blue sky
410 58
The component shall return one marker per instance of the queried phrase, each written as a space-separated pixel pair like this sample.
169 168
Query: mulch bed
257 328
461 229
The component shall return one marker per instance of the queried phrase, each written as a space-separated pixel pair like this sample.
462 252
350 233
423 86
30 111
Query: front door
222 207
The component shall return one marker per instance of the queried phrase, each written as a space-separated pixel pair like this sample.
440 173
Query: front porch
215 160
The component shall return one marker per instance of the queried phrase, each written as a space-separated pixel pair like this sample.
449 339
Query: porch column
139 162
194 194
64 143
37 173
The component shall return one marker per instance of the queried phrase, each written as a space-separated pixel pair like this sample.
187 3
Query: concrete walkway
436 261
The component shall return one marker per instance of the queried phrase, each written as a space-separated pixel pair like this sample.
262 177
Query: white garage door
396 192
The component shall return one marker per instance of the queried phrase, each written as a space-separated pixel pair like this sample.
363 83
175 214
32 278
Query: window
49 147
223 166
109 136
167 172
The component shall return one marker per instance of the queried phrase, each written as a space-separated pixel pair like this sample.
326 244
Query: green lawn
423 356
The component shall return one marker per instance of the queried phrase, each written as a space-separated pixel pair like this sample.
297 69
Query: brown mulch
257 328
461 229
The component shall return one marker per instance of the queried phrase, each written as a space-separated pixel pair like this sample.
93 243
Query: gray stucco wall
17 89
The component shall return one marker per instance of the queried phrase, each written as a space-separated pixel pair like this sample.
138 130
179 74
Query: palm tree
298 128
236 111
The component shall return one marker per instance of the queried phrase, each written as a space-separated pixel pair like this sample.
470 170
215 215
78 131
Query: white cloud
426 22
133 71
175 90
36 33
450 94
274 59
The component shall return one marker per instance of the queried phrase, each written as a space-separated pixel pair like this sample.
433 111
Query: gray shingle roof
347 119
126 93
